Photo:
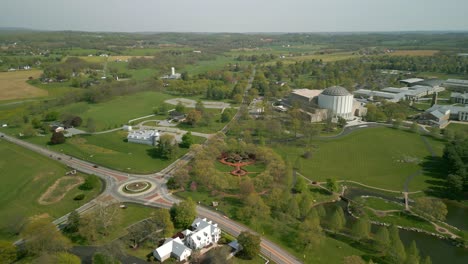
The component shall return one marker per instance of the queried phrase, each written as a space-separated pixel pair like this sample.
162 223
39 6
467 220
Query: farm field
111 150
24 177
211 65
13 85
374 156
324 57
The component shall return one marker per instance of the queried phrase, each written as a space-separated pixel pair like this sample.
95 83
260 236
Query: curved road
158 197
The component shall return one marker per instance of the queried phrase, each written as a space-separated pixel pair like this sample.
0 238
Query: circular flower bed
137 187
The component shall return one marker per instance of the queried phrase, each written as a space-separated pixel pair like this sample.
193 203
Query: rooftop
307 92
336 91
143 134
412 80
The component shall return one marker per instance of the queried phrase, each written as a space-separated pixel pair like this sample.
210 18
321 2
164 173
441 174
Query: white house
173 247
204 234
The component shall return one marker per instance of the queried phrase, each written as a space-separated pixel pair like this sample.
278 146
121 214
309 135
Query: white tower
173 70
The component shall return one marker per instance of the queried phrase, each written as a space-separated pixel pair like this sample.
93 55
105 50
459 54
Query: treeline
456 158
163 61
71 67
442 63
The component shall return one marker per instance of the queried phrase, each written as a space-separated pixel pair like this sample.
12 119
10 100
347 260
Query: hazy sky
236 15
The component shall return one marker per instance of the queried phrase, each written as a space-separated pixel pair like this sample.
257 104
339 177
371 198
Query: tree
414 127
412 254
51 116
431 207
28 131
454 185
76 121
301 185
397 123
187 140
382 238
397 249
361 228
183 213
167 147
66 258
341 122
250 244
73 222
337 220
8 252
309 234
331 185
42 236
246 187
180 107
181 177
227 115
162 219
193 117
57 138
199 106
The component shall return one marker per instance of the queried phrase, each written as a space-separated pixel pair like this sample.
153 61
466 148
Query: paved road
159 197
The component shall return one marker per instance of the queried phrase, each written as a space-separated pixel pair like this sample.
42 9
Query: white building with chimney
173 76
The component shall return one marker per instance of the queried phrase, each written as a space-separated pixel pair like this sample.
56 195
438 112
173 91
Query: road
158 197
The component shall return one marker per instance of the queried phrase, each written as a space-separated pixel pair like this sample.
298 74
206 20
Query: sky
236 15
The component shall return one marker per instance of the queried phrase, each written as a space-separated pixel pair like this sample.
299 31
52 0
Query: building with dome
338 101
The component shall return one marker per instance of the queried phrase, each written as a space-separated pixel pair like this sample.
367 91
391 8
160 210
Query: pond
440 251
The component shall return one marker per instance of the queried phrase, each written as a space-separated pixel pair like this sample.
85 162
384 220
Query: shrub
79 197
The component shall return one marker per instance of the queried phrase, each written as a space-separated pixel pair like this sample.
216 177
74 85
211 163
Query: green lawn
117 111
110 150
371 156
382 204
458 128
24 177
204 66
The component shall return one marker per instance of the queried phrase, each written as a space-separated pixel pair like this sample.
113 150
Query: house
204 233
439 115
172 247
177 116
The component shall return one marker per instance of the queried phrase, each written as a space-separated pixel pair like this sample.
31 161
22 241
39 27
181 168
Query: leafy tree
193 117
36 123
73 222
66 258
28 131
342 122
180 107
8 252
397 249
412 254
337 220
246 187
167 147
41 236
76 121
309 234
454 185
162 219
227 115
361 228
183 213
382 237
331 185
426 260
187 140
431 207
57 138
90 183
301 185
250 244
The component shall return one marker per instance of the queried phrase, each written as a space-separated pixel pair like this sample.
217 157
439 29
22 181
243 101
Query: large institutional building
318 105
338 100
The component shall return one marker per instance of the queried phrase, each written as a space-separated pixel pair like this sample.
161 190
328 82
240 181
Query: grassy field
111 150
372 156
211 65
24 177
382 204
13 85
324 57
117 111
458 128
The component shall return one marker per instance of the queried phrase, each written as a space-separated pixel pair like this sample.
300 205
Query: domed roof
336 91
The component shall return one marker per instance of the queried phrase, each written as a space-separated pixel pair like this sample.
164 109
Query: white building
338 100
147 137
459 98
173 247
457 85
173 76
393 94
203 234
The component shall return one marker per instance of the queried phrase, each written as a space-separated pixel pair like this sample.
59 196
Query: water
457 214
440 251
